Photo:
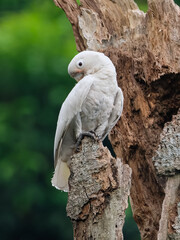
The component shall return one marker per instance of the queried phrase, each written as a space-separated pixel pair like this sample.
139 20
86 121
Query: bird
92 108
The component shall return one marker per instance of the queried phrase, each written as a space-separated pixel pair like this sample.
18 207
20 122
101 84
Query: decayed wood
145 49
170 217
99 190
167 163
167 156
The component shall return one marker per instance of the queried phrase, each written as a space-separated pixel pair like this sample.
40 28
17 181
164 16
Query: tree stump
145 48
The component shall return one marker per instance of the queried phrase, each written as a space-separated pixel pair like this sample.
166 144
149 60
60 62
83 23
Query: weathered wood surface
99 190
167 163
145 49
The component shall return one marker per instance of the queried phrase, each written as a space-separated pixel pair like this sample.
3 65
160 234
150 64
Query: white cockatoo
92 108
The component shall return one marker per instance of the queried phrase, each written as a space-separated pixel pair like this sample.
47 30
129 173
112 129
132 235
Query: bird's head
90 62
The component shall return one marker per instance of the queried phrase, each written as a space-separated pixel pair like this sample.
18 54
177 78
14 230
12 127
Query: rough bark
99 190
167 163
145 49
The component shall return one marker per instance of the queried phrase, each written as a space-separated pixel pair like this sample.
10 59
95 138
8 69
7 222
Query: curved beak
77 74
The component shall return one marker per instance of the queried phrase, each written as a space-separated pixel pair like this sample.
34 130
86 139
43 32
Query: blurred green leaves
142 4
36 46
130 229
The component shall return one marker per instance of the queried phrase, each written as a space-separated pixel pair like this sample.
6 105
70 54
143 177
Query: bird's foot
90 134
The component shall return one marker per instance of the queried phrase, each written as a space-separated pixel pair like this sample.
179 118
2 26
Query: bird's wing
116 112
71 106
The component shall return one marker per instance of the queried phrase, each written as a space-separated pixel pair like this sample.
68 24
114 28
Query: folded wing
70 108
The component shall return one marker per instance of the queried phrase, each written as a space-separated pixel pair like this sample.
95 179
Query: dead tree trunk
99 190
145 49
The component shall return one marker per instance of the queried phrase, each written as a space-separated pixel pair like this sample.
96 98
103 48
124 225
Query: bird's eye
80 64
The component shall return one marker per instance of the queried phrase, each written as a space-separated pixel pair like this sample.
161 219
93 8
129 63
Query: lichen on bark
99 190
167 156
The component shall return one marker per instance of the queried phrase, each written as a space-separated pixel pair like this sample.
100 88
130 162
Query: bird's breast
97 107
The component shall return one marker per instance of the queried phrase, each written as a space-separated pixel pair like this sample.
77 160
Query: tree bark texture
145 48
99 190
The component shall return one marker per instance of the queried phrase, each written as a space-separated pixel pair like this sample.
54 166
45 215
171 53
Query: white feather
61 176
94 104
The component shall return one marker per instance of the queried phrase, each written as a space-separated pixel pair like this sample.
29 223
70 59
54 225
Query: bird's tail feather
61 176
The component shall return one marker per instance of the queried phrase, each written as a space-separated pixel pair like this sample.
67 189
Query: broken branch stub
167 163
99 190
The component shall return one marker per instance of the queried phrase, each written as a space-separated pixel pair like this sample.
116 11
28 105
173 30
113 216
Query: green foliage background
36 45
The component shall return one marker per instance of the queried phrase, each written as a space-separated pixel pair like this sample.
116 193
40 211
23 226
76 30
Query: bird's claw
90 134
